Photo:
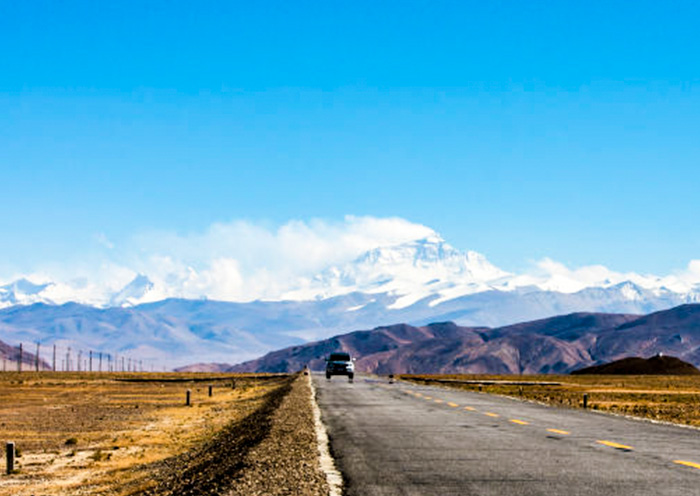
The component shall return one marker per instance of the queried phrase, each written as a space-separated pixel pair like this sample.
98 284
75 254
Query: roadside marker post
585 400
10 455
188 397
211 390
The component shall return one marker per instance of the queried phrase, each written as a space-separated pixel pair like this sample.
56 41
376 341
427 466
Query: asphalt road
404 439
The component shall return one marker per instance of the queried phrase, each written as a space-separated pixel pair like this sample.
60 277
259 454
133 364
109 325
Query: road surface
405 439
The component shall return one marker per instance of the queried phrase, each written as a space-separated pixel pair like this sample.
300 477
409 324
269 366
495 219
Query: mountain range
555 345
416 282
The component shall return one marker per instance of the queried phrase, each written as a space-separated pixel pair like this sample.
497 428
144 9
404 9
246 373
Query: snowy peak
424 268
23 292
25 287
133 293
630 291
431 256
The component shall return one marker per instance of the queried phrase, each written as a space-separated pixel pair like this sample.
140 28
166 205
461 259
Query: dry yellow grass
670 398
92 434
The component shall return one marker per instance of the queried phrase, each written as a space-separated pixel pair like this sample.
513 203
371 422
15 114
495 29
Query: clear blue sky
517 129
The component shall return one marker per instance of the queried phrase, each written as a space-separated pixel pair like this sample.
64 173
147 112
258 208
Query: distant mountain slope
656 365
371 347
559 344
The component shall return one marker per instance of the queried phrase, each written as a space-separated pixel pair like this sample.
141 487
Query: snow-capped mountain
412 271
422 269
133 293
416 282
23 292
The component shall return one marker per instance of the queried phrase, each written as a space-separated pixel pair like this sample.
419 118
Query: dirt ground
668 398
97 434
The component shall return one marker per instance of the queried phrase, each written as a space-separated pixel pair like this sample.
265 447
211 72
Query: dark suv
340 363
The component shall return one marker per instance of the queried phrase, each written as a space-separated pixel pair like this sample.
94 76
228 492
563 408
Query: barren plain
126 434
666 398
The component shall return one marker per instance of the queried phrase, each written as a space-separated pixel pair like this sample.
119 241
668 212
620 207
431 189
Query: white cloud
296 246
238 260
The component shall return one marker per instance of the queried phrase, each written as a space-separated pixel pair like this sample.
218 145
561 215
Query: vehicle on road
340 363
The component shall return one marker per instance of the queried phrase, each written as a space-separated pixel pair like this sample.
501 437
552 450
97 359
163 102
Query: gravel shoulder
287 461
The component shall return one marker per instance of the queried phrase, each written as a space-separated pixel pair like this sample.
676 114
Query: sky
522 130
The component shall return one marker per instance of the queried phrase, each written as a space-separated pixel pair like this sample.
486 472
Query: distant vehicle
340 363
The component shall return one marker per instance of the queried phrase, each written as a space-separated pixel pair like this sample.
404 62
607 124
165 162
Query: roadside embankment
271 452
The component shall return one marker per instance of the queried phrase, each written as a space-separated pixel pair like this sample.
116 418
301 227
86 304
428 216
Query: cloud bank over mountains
243 261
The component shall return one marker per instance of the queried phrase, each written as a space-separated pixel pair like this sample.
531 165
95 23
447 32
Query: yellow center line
557 431
439 401
491 414
469 408
687 464
427 397
520 422
615 445
453 405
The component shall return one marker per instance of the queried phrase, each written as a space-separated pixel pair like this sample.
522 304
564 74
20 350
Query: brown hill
9 355
554 345
204 367
656 365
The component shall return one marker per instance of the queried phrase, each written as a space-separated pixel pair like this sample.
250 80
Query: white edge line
333 477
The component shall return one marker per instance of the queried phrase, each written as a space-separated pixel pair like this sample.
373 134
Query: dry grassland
94 434
669 398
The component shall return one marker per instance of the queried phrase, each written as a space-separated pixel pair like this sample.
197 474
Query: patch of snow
356 308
